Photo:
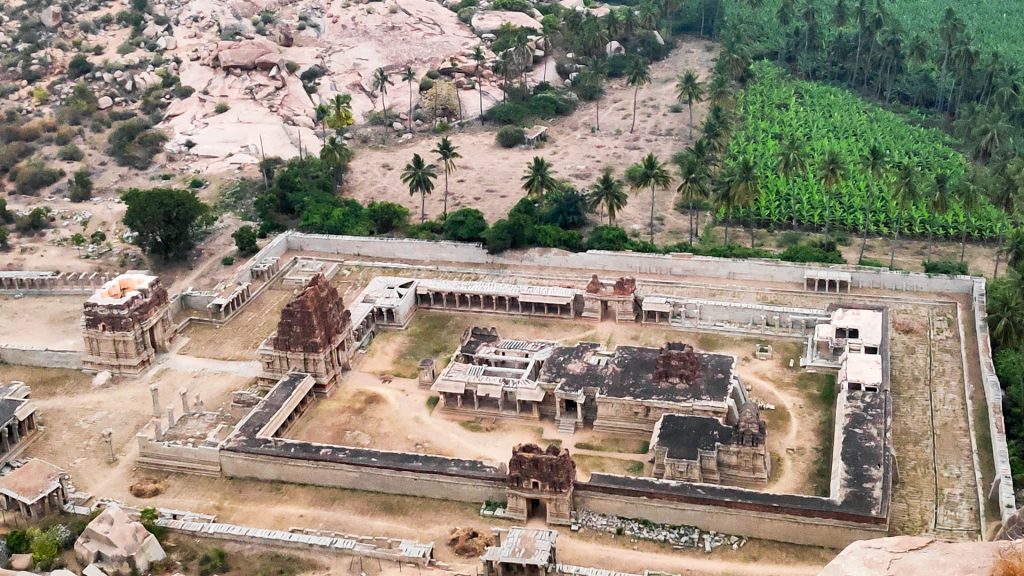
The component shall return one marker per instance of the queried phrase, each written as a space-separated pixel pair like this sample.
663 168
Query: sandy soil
488 176
42 321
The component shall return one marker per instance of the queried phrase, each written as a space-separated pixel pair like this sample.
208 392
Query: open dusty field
42 321
488 176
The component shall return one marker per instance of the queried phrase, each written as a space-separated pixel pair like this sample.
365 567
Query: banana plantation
920 183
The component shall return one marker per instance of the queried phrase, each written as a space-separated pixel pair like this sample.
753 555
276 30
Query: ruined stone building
18 426
704 449
521 552
540 484
313 336
495 375
617 302
35 489
125 323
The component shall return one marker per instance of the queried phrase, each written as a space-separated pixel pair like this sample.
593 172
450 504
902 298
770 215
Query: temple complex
314 336
125 323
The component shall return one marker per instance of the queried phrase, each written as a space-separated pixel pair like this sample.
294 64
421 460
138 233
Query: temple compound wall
314 336
125 323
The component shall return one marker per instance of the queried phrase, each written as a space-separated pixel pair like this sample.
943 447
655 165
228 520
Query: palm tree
969 195
938 204
832 172
381 81
694 178
638 73
1006 314
337 155
408 76
447 154
1015 249
875 164
739 186
649 173
608 192
478 57
322 111
419 177
905 193
340 116
790 163
538 181
689 89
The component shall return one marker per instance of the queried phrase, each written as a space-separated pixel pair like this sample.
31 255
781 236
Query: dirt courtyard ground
42 322
367 412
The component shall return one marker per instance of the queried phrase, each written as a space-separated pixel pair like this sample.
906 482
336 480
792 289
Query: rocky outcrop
51 16
920 556
243 55
489 21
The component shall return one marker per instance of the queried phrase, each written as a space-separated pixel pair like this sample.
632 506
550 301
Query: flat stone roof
864 369
860 469
628 373
523 547
684 436
121 289
31 482
867 322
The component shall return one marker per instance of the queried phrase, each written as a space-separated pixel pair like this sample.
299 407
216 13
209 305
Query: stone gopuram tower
313 336
125 323
541 482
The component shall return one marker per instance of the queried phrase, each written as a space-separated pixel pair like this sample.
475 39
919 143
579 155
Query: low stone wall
41 357
354 477
767 525
176 458
994 400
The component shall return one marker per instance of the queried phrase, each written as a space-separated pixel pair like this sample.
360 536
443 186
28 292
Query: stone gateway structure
540 483
314 336
125 323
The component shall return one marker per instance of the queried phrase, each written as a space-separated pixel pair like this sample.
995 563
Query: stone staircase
567 426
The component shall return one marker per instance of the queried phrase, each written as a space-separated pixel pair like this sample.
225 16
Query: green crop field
773 108
995 24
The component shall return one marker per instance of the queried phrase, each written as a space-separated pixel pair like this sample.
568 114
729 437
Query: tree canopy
165 219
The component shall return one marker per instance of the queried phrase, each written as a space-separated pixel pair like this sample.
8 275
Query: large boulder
104 102
118 542
918 556
489 21
51 16
612 48
243 55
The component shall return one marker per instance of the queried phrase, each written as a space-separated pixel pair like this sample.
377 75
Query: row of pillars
12 433
154 391
456 301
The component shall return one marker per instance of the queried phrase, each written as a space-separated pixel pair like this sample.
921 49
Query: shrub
465 225
227 260
13 153
45 549
18 541
70 153
617 65
500 237
950 267
607 238
5 242
245 240
387 216
79 66
433 74
64 135
34 221
513 6
213 561
873 263
221 107
133 143
196 183
32 177
426 84
291 67
510 136
80 188
824 252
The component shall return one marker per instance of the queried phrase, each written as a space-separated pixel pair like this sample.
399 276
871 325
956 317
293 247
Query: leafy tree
689 89
500 236
245 240
538 181
18 542
565 208
387 216
165 219
649 173
447 154
609 192
45 549
419 177
336 156
638 73
78 66
133 143
465 225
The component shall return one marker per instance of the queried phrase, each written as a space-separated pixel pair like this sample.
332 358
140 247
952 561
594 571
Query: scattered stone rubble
679 537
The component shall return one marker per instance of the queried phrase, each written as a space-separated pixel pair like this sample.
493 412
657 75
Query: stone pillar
476 401
14 434
170 416
7 444
154 390
158 433
183 394
198 402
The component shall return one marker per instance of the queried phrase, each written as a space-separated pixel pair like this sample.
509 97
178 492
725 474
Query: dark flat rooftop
862 453
244 441
630 374
478 339
685 435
